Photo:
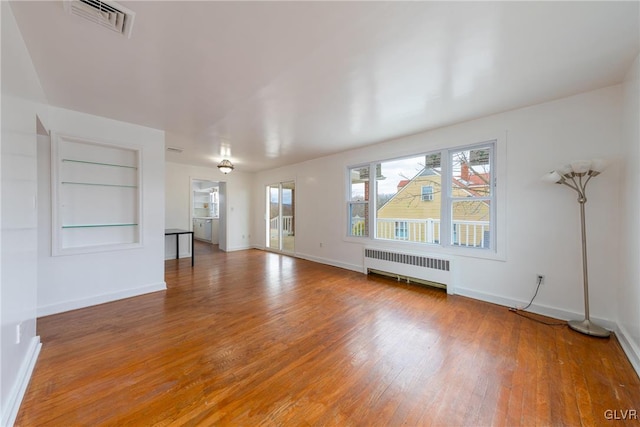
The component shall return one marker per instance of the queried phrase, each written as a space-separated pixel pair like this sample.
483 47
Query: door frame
267 205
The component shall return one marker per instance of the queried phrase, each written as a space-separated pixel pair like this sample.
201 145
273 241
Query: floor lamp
576 176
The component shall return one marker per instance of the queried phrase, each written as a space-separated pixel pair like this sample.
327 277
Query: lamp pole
577 176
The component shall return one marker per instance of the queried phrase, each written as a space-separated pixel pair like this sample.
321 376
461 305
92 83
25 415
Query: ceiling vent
108 14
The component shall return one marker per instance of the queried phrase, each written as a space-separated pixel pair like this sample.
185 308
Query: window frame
497 247
351 203
451 199
403 227
429 194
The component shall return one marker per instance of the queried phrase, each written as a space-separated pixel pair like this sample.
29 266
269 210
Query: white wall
22 100
629 288
74 281
542 220
235 209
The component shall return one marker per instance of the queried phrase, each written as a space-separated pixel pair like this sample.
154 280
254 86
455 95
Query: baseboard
167 257
331 262
556 313
320 260
99 299
629 347
238 248
14 400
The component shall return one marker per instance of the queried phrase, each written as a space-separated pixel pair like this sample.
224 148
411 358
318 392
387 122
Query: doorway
281 218
205 210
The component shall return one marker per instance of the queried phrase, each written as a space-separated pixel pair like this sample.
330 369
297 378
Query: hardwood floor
254 338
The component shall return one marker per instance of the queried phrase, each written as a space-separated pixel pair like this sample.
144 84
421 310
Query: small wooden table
177 232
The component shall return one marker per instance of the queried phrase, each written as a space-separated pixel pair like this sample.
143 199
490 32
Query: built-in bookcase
96 196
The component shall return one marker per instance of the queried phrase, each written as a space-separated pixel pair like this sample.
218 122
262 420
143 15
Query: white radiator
410 266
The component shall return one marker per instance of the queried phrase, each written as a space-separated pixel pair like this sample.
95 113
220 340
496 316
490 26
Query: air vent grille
420 261
108 14
175 149
412 267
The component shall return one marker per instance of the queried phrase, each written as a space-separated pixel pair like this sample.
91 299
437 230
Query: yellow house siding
407 205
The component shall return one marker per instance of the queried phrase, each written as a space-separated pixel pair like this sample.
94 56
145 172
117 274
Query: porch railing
287 225
465 233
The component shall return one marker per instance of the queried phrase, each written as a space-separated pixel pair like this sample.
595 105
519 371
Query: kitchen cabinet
206 229
202 229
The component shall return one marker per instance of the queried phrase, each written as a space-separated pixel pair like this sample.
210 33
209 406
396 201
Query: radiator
409 266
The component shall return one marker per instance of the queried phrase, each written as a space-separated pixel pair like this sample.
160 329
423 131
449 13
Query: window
471 197
427 193
358 204
458 185
400 191
401 230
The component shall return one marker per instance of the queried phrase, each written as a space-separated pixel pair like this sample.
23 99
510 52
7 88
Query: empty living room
319 213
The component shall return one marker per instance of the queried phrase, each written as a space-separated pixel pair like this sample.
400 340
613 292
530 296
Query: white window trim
499 211
404 227
355 202
447 235
430 194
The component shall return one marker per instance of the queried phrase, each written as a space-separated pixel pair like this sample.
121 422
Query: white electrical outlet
18 333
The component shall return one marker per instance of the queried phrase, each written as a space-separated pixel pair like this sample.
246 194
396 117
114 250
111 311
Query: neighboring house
413 213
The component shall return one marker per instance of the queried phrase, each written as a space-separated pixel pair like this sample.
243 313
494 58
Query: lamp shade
598 165
581 166
225 166
552 177
565 170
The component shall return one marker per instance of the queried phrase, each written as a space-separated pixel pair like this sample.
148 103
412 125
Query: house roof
403 182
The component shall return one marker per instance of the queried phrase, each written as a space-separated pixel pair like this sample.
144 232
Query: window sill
457 251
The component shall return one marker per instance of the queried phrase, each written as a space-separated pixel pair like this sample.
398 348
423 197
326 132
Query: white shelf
205 203
96 196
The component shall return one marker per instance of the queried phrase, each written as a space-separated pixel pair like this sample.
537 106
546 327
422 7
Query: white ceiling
282 82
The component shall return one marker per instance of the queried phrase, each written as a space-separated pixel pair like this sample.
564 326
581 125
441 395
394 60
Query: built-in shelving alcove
96 196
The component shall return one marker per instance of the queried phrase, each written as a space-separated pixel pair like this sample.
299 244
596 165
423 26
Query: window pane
359 184
471 171
470 223
358 219
358 201
408 199
427 193
288 220
274 217
401 230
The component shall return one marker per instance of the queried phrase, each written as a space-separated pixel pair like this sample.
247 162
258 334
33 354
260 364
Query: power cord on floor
519 310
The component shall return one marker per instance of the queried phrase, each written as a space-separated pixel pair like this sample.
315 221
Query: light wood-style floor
254 338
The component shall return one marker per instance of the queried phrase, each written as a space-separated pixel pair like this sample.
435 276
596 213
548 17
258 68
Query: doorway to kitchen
281 224
205 210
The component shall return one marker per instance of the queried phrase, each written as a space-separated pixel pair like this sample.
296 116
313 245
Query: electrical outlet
18 333
540 279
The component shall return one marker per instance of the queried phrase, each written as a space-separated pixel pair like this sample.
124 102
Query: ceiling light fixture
225 166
